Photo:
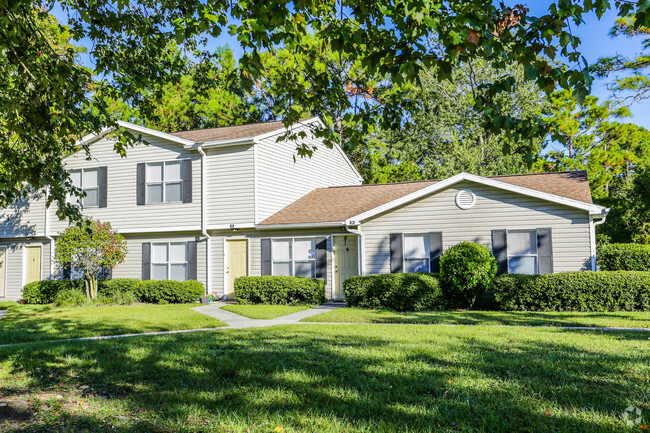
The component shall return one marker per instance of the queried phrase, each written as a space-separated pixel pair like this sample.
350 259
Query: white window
294 257
169 261
416 253
87 180
164 182
522 251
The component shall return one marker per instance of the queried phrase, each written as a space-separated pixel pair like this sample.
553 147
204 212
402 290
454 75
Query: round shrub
45 291
70 297
467 270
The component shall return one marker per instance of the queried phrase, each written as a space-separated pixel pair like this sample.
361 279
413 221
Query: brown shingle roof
337 204
231 132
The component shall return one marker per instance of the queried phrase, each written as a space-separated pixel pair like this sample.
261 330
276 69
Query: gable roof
352 204
233 132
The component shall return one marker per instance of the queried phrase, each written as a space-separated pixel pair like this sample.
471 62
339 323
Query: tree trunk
88 290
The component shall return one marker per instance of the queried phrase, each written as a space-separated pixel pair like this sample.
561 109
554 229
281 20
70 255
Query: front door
236 265
346 262
3 271
33 264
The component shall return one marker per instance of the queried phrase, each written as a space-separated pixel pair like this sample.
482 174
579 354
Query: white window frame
292 262
427 250
163 182
81 187
169 262
536 255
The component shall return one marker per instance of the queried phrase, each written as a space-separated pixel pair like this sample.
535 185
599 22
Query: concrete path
238 322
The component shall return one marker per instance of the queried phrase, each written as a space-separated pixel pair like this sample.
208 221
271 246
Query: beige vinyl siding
122 211
15 263
281 181
255 253
132 266
230 186
24 218
494 209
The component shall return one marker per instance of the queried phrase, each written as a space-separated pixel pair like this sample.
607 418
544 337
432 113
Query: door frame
226 258
3 290
332 236
24 273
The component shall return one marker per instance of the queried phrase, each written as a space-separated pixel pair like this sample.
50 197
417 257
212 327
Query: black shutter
107 273
435 250
140 189
146 261
191 260
102 183
500 250
66 274
187 181
267 261
544 251
321 257
396 253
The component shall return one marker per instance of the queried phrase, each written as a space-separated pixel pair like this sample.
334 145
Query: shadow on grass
348 379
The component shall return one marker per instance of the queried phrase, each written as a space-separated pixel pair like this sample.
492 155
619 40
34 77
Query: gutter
362 248
48 236
592 235
299 225
204 230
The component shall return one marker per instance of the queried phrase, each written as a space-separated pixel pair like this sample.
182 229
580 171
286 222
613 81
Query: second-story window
164 182
86 179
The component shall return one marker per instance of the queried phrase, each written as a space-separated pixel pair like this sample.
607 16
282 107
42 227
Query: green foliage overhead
467 270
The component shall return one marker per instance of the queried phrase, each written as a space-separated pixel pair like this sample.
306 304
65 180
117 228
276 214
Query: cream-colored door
236 265
3 271
33 264
346 262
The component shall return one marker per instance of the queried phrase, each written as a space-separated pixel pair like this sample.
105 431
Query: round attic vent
465 199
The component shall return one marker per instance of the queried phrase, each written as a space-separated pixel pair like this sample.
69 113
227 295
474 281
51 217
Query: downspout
362 248
204 224
47 234
593 233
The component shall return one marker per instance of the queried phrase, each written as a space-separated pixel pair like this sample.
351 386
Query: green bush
624 257
279 290
118 285
400 292
574 291
44 292
116 297
467 270
169 291
70 297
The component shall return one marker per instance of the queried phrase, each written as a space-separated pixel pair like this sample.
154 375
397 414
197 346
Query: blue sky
596 43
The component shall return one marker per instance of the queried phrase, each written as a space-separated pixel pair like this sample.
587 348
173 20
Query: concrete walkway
238 322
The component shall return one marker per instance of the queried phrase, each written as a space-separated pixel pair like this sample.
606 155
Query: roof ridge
245 124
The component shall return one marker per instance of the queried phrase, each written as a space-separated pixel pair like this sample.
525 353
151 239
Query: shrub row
151 291
574 291
624 257
279 290
401 292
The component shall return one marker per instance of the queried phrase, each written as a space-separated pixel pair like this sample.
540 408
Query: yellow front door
3 271
236 265
346 262
33 264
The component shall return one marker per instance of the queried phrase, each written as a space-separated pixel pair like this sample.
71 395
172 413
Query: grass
637 319
24 323
329 379
264 311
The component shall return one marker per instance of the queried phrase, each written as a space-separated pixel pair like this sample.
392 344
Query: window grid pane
159 272
281 250
92 197
522 265
154 172
159 253
416 265
304 249
282 269
90 178
522 243
416 246
178 253
305 269
154 193
172 192
173 171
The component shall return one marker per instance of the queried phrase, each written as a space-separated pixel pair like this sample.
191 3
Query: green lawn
356 378
264 311
517 318
43 322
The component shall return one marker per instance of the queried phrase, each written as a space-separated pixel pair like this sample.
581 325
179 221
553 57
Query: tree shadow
353 378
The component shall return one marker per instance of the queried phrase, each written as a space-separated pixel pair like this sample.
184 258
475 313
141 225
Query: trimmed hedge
279 290
400 292
574 291
151 291
624 257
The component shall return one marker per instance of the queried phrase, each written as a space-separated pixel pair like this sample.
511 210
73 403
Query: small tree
467 270
92 246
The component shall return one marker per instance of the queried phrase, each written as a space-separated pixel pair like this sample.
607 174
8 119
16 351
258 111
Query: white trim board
591 208
91 138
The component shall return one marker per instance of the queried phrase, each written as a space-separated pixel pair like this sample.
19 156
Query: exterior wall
24 218
494 209
281 181
122 211
230 178
15 264
254 253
